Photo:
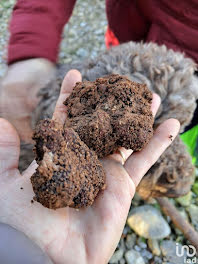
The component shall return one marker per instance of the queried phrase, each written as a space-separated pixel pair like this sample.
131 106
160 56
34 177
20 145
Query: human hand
18 92
89 235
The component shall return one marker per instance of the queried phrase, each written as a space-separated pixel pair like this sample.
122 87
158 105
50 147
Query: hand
18 92
89 235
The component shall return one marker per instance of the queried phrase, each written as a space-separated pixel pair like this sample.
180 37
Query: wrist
25 78
38 70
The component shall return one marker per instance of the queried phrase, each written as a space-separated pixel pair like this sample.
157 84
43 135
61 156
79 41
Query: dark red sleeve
36 27
126 21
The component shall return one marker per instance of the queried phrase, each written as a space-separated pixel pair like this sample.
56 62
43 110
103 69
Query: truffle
69 173
102 116
111 112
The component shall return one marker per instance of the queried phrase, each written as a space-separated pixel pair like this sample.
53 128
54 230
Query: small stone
99 31
137 198
126 230
118 254
121 244
185 200
157 260
146 254
154 246
81 52
193 212
137 248
183 213
133 257
122 261
148 222
140 243
168 248
185 216
130 241
151 201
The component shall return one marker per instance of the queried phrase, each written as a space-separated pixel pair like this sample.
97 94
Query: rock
141 243
137 248
193 212
185 200
146 254
157 260
122 261
82 52
148 222
183 213
151 201
121 244
130 241
154 246
136 199
118 254
133 257
126 230
168 248
185 216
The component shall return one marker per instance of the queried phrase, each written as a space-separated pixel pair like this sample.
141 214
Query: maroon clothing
36 25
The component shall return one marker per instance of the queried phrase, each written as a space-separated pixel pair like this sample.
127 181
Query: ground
84 37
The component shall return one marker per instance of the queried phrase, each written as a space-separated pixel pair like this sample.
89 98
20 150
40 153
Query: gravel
5 12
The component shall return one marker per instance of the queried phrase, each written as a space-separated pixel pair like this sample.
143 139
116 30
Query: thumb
9 147
68 84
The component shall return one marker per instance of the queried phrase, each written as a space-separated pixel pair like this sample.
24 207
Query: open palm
67 235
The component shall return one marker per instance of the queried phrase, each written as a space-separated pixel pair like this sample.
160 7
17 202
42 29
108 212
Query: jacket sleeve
126 20
36 27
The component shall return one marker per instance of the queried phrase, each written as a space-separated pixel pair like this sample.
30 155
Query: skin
18 92
68 236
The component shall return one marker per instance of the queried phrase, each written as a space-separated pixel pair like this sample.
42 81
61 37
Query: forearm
36 28
15 247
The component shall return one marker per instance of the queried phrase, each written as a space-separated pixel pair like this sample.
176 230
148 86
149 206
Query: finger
155 103
30 170
9 147
140 162
71 78
24 128
122 154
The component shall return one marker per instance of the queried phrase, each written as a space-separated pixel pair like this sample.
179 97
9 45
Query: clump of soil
111 112
102 116
69 173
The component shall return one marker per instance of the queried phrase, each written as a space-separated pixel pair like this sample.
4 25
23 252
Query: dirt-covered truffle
111 112
69 173
102 116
